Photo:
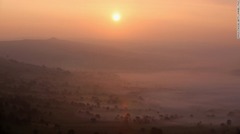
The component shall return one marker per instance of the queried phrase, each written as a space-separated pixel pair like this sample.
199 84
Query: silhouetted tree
98 116
191 115
93 120
222 124
199 123
127 118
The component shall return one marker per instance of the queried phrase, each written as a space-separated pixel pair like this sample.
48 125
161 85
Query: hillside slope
16 75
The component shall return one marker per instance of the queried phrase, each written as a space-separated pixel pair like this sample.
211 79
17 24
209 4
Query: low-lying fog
186 89
189 92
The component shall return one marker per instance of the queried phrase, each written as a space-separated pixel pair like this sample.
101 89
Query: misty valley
61 87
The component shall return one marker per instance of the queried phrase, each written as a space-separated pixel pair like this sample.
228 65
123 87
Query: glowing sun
116 16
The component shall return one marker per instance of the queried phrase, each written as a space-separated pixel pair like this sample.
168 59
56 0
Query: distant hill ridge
72 55
66 54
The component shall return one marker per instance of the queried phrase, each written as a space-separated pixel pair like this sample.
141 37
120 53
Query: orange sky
164 20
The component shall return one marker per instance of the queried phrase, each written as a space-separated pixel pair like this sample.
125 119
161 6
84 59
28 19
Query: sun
116 16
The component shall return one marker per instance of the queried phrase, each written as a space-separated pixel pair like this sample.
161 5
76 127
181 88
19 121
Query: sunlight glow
116 16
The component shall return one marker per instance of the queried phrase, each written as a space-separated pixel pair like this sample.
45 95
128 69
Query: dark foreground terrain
42 100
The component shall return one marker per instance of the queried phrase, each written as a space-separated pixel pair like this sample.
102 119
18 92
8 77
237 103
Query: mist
161 67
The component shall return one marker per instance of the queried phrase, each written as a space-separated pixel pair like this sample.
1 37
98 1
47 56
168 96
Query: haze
119 67
165 20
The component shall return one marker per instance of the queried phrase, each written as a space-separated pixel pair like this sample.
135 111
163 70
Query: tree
93 120
127 118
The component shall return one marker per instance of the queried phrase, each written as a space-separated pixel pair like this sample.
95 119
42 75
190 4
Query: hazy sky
158 20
